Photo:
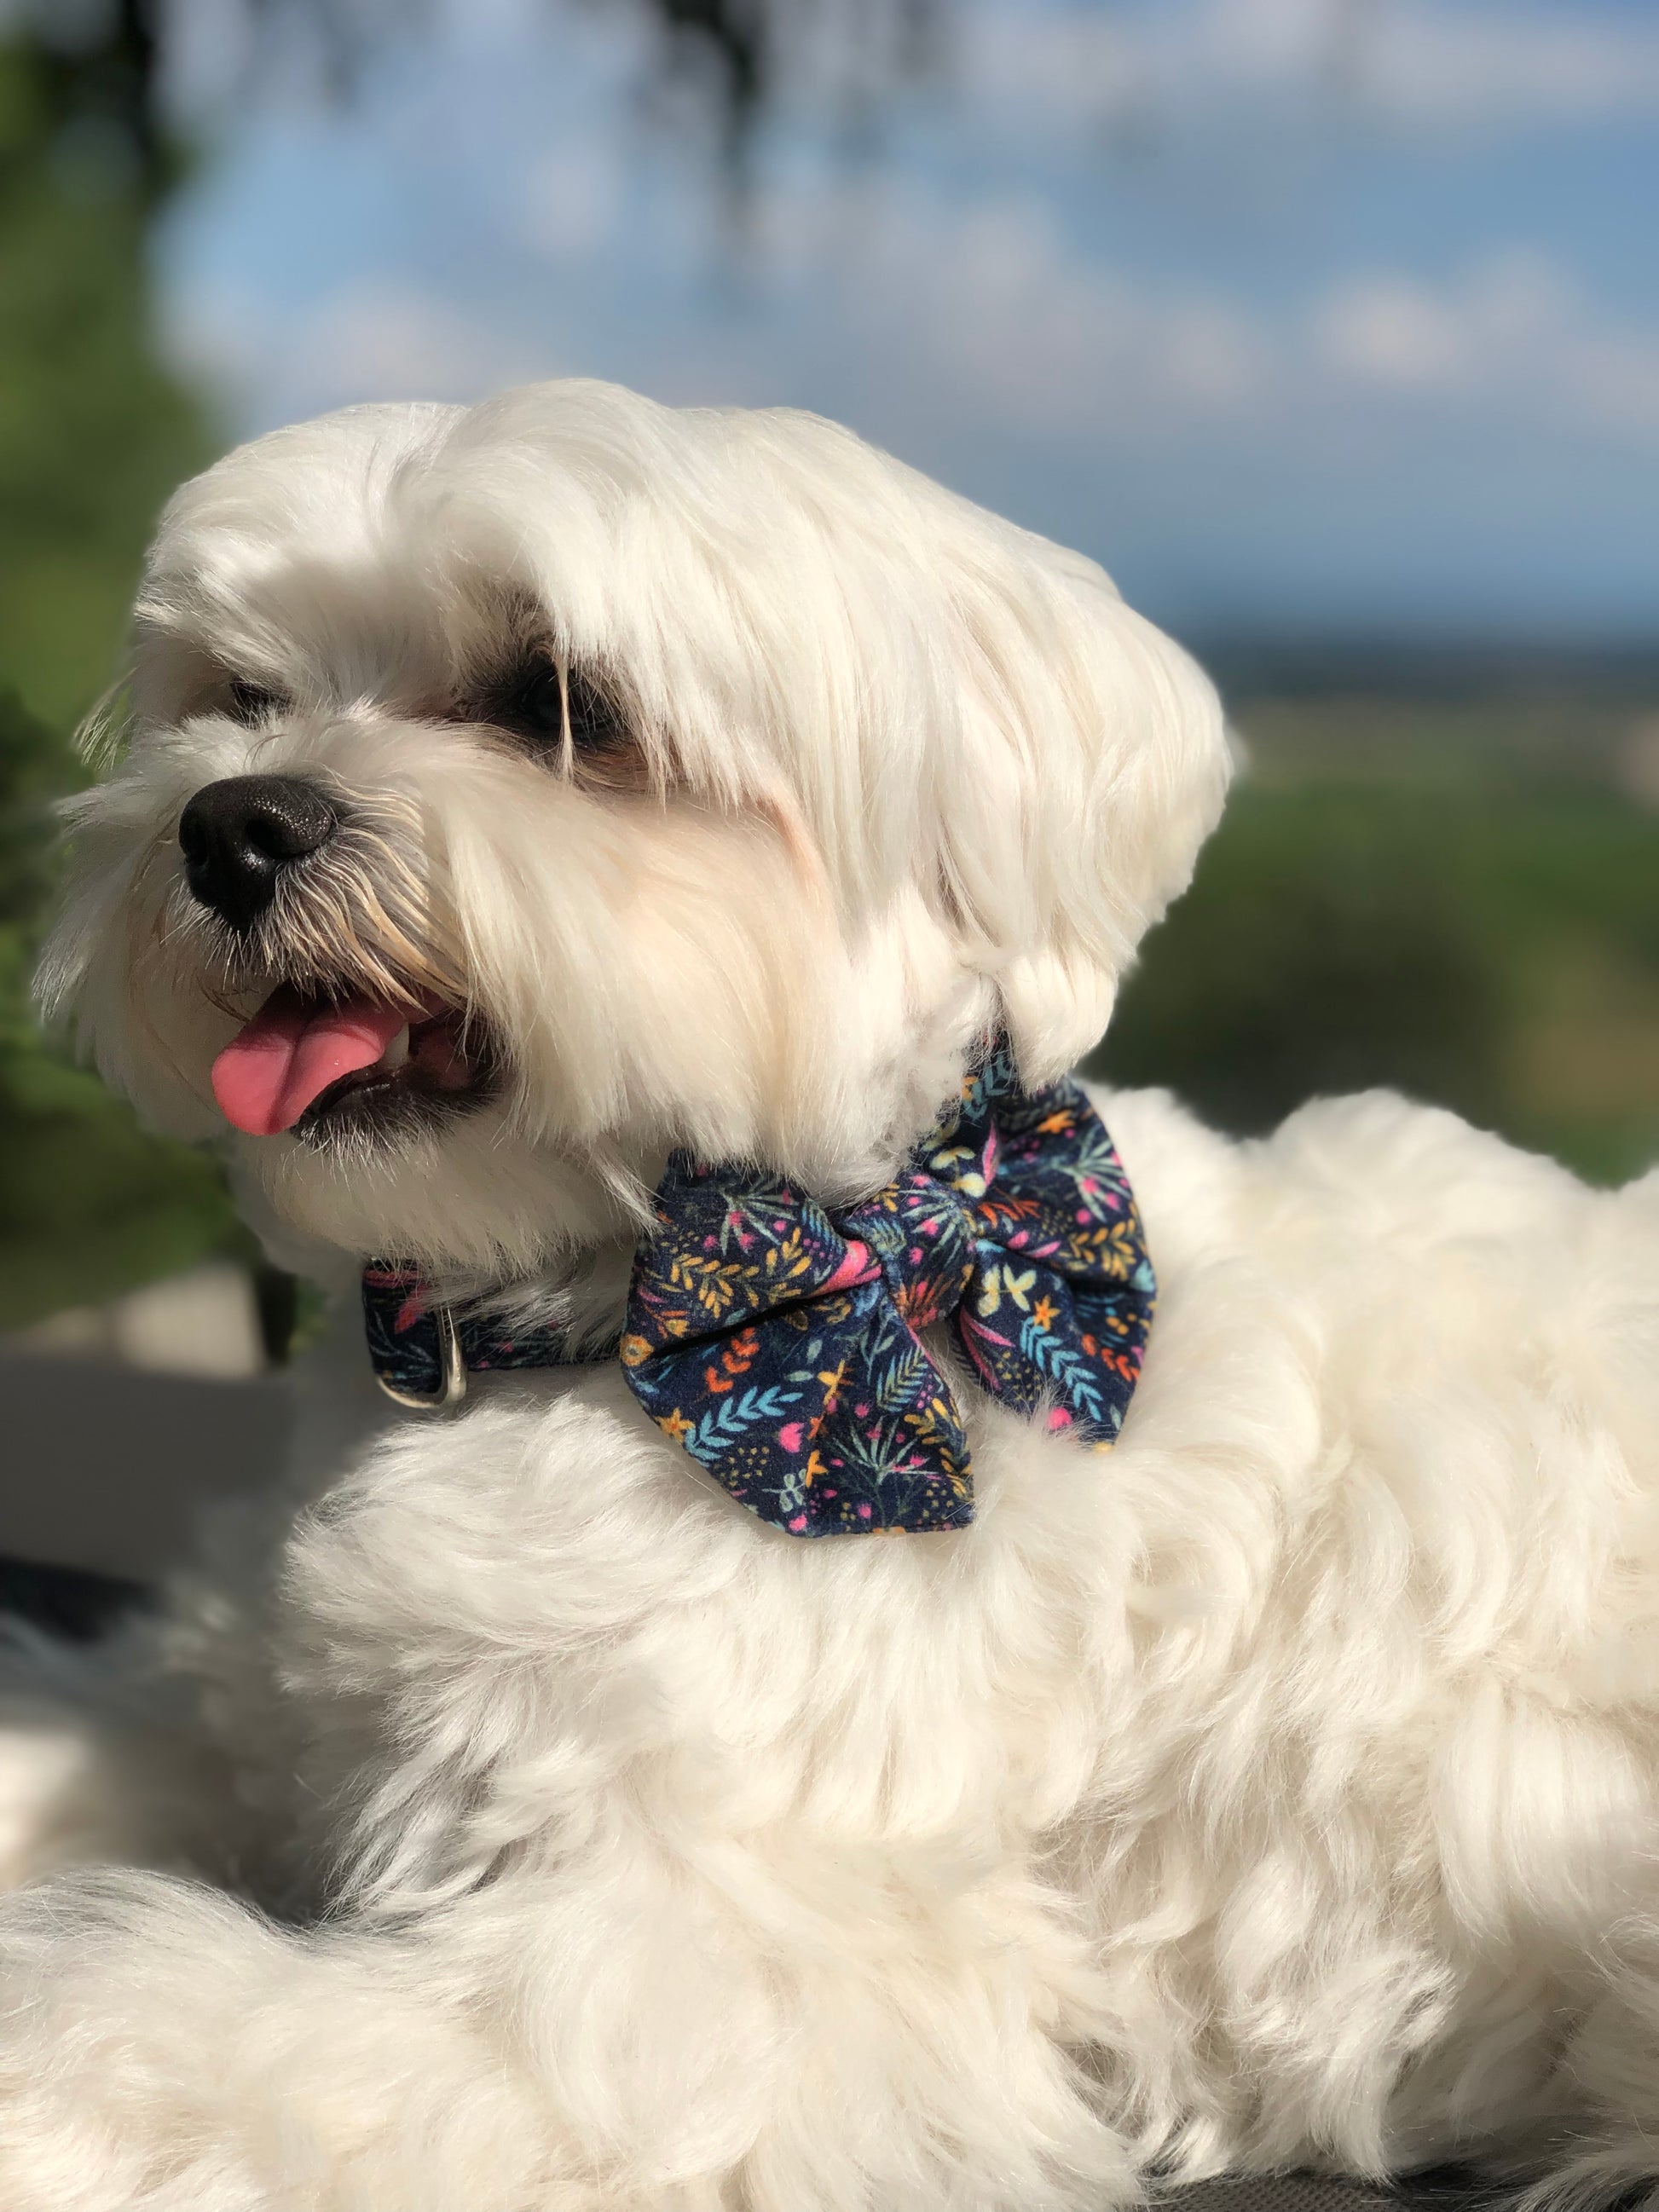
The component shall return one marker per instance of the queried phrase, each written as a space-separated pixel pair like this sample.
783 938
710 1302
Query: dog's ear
1094 760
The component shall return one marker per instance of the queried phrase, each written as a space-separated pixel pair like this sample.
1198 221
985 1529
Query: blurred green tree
1325 946
94 432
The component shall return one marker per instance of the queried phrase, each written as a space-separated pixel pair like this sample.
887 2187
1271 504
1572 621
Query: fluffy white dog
521 1822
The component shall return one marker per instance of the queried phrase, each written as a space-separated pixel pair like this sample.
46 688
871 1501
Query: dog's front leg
164 2050
623 2044
623 1920
598 1796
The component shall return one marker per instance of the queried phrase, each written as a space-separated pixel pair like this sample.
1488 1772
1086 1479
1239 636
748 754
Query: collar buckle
451 1372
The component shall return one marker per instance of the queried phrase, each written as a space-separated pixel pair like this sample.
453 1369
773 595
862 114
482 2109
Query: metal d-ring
451 1372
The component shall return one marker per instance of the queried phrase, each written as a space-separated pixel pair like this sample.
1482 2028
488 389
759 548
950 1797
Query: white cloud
1512 336
990 314
1511 66
1390 330
989 307
1491 64
373 342
985 319
571 201
1499 321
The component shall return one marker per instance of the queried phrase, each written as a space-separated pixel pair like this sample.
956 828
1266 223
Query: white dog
523 1822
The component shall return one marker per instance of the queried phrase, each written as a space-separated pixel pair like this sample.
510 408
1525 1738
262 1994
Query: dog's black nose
237 837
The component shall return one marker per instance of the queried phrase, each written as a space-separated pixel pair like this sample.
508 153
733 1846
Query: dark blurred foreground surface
106 1470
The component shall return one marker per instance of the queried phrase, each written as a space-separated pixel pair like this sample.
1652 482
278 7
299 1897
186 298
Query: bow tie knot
919 1241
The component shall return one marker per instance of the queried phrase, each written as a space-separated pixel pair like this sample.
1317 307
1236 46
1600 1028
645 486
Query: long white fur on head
914 771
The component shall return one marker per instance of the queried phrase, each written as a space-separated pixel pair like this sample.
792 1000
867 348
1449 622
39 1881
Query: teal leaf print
730 1419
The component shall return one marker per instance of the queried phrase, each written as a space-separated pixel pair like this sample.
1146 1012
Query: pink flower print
863 1411
789 1436
1057 1419
864 1513
798 1524
856 1267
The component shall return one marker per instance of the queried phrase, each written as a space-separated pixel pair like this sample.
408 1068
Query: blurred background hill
1330 326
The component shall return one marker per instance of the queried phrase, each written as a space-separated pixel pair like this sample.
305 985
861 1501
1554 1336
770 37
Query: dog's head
554 782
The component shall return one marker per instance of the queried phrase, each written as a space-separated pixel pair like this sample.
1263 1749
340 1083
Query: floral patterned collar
783 1345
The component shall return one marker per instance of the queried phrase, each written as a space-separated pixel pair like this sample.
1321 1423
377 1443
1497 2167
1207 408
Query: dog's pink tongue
291 1051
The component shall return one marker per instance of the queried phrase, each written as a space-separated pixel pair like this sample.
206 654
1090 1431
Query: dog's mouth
326 1067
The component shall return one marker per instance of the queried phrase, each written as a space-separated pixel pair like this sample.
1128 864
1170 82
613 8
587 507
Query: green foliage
89 1205
1490 946
1320 949
93 433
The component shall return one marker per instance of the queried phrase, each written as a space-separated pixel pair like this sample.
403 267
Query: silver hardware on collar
451 1368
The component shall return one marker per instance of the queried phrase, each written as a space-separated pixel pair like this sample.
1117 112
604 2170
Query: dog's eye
250 703
533 705
537 707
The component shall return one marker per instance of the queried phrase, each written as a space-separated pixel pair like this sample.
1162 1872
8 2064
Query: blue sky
1335 315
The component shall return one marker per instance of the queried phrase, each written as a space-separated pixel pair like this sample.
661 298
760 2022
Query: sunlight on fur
503 1819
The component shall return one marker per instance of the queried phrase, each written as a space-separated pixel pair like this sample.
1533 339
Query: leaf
1074 1373
896 1387
726 1424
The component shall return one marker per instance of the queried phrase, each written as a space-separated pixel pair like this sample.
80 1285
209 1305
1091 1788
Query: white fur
530 1827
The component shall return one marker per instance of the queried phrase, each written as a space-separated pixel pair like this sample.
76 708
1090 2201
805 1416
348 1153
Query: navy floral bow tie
781 1344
